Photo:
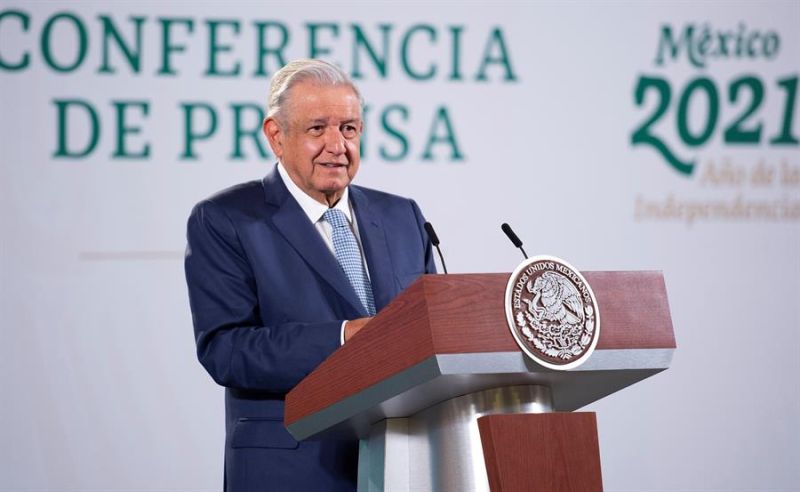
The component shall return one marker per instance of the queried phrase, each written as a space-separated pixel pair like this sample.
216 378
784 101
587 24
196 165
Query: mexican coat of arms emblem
552 312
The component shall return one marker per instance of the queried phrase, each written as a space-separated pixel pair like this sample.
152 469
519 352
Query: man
284 270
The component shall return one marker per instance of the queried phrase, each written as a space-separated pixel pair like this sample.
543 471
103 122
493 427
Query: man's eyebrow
325 121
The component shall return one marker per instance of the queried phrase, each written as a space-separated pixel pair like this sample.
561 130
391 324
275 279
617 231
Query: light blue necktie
349 256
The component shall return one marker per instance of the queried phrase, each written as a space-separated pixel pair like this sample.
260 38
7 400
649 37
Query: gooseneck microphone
514 239
435 242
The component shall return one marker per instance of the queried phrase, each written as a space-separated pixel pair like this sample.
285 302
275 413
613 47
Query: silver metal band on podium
440 448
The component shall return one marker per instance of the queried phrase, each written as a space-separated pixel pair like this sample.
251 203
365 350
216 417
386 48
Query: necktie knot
335 217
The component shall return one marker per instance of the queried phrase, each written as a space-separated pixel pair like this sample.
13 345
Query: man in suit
284 270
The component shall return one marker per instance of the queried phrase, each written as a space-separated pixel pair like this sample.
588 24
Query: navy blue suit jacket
268 299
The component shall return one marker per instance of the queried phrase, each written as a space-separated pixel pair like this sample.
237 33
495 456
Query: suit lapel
293 224
376 251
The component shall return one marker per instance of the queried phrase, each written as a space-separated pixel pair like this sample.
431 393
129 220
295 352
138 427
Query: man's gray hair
302 70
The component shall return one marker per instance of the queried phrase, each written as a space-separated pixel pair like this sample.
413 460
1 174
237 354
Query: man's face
319 142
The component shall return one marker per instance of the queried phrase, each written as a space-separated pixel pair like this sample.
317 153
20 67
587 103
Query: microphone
514 239
435 242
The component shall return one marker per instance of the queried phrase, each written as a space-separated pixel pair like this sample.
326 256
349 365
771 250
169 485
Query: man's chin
334 189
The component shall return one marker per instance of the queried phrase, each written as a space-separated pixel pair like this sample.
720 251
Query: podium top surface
446 335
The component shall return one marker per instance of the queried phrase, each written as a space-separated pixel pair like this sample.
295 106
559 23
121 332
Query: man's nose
334 142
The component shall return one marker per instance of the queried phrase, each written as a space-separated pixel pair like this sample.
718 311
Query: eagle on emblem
552 312
555 299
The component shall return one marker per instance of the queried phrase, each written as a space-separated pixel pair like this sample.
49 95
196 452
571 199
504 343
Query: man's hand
354 326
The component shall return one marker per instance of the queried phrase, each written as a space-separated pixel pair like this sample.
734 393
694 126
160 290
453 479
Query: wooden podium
442 398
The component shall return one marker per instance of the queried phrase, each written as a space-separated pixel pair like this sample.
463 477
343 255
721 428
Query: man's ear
274 134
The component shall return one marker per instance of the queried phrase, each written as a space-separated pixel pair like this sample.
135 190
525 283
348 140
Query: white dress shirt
315 211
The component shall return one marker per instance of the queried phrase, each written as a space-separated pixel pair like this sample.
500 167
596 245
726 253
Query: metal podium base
439 448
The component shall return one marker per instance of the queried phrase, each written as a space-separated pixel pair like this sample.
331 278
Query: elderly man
284 270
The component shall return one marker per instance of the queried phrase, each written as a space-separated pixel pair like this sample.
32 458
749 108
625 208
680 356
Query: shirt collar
312 208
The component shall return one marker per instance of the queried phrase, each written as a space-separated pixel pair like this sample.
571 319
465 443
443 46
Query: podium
442 398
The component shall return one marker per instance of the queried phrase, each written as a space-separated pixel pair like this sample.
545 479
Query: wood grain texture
548 452
464 313
397 338
467 312
634 310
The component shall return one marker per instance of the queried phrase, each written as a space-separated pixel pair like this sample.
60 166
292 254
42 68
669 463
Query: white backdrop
100 386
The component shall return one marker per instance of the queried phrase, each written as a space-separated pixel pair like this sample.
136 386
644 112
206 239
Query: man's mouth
331 165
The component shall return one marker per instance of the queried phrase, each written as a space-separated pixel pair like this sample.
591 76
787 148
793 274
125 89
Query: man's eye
349 130
316 129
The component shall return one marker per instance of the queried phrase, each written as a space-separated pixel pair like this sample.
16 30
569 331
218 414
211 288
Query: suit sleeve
233 344
430 264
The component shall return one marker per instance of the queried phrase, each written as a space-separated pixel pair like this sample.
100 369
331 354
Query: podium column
440 448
